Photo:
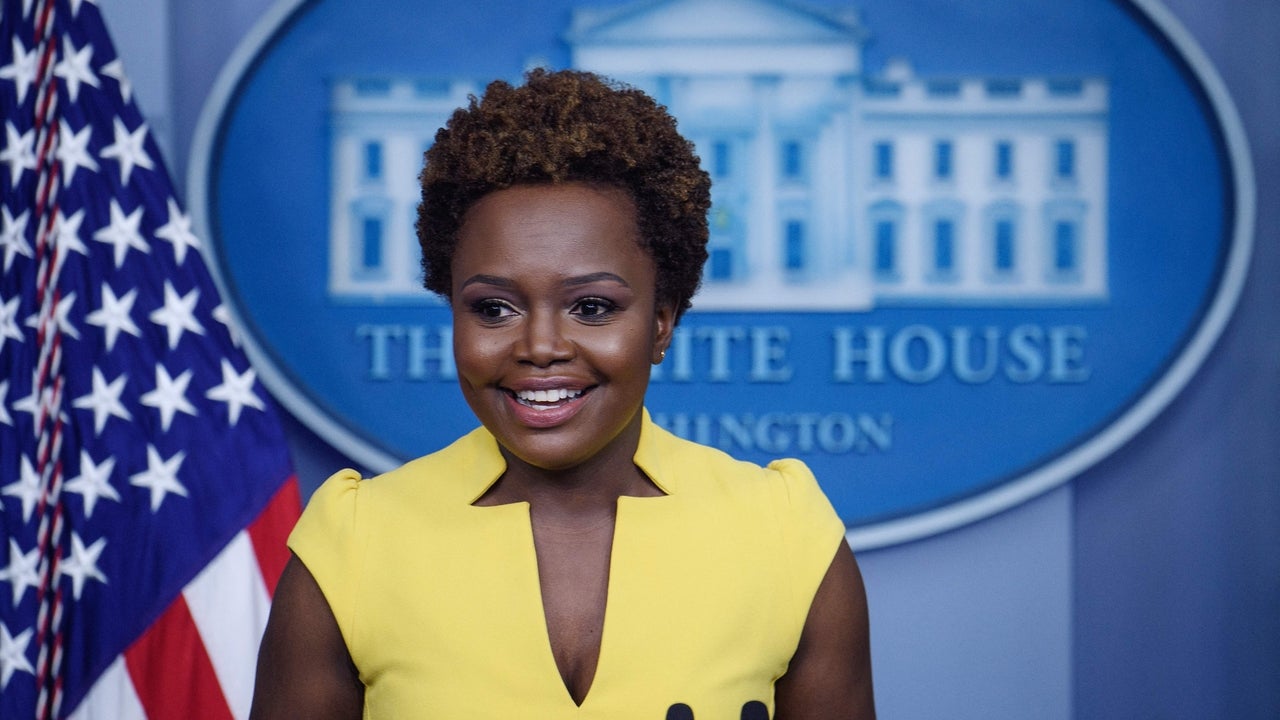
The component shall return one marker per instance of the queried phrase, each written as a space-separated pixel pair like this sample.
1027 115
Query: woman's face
555 321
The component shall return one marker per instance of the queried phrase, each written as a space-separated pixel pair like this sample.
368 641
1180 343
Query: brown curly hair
569 126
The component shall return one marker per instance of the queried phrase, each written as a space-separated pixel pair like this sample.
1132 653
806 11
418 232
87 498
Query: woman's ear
664 324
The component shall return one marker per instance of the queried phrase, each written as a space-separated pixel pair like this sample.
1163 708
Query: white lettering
769 354
713 353
380 337
422 346
919 354
1066 354
870 353
932 351
785 433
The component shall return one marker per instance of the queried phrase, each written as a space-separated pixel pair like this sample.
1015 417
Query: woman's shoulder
462 468
697 467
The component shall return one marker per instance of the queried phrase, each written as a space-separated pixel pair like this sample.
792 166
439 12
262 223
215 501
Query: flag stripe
171 655
112 698
219 598
270 531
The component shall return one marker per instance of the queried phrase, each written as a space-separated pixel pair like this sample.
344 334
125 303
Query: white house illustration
833 189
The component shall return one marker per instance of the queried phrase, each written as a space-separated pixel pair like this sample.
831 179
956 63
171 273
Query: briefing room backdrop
1147 586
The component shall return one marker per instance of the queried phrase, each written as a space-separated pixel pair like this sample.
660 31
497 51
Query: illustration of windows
794 246
724 244
1065 87
369 238
942 160
371 243
1065 249
1064 161
1003 161
886 247
941 227
944 241
372 160
882 161
1001 225
792 160
886 221
1064 227
1004 88
943 88
1002 251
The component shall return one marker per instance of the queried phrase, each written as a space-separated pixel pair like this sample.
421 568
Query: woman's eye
593 307
492 309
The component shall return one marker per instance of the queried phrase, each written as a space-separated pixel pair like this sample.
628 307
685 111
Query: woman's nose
544 341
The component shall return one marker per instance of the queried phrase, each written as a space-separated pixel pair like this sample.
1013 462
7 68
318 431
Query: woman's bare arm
830 675
304 669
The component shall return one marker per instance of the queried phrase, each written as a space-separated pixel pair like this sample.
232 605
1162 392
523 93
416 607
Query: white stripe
229 603
112 697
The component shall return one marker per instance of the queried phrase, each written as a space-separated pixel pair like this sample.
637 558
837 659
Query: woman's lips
546 408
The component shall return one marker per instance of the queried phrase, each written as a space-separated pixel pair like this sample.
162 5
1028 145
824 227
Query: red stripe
171 671
271 530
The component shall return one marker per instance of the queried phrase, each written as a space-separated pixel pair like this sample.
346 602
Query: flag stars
75 6
122 233
170 396
178 314
31 403
114 317
115 71
5 417
104 401
22 70
9 321
128 149
160 477
13 654
26 488
66 236
81 563
19 151
73 151
236 391
223 315
13 235
61 317
178 232
74 68
23 570
94 482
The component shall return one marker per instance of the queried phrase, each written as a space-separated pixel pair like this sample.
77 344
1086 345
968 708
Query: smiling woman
569 558
553 294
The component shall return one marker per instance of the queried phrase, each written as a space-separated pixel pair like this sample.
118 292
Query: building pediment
713 22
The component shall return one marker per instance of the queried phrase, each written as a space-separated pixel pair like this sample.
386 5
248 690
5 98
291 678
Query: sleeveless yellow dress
439 603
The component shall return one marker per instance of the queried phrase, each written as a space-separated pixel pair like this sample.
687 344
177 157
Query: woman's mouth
545 399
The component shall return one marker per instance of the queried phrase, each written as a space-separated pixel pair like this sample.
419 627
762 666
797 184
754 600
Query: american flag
145 485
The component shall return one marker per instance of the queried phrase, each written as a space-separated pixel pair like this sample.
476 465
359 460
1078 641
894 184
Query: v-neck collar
479 450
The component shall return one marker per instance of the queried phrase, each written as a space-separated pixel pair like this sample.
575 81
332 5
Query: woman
569 559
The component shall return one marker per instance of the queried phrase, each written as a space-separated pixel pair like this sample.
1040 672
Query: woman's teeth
546 396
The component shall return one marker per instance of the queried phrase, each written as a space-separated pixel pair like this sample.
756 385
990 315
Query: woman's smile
546 408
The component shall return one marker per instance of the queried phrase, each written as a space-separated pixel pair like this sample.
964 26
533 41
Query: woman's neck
574 495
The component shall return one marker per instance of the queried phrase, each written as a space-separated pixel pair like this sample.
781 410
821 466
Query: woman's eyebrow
577 280
487 280
595 277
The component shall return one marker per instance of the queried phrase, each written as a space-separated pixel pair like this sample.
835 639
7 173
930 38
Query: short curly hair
569 126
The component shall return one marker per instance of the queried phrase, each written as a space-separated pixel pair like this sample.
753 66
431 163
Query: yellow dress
439 603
